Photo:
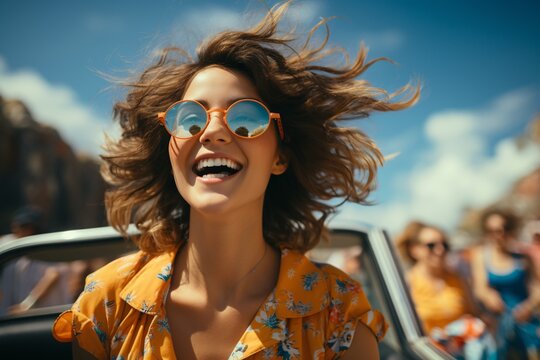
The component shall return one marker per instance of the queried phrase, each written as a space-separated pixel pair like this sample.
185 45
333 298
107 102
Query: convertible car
27 334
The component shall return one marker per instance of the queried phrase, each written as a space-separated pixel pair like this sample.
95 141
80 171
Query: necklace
251 271
255 266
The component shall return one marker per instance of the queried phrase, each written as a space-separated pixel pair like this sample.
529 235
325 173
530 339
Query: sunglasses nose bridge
216 127
440 248
218 110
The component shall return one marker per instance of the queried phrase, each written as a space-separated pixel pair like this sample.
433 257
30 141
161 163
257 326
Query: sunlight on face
254 159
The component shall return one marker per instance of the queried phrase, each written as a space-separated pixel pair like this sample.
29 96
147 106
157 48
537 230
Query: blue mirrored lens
248 118
185 119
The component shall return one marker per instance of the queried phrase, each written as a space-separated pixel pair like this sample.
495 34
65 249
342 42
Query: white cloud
304 12
502 112
459 168
209 20
55 105
384 40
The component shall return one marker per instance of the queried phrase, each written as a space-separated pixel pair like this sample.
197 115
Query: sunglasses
498 231
246 118
432 245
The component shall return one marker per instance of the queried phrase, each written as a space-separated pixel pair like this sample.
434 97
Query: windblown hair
325 161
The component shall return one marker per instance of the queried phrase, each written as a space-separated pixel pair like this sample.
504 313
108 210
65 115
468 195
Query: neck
226 256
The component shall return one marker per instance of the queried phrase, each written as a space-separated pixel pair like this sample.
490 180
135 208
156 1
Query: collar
147 289
301 288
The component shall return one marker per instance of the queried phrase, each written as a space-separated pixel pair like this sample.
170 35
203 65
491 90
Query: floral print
312 312
310 280
341 340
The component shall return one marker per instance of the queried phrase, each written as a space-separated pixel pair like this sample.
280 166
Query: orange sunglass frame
271 116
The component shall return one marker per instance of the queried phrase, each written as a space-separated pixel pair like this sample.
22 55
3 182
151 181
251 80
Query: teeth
217 162
211 176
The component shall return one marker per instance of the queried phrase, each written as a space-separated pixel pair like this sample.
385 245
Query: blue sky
477 61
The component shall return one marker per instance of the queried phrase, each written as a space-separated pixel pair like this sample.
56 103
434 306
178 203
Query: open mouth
216 168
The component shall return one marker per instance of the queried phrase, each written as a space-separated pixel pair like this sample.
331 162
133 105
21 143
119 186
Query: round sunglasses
246 118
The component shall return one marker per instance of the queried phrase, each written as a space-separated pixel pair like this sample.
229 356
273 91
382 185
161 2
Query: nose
216 130
439 249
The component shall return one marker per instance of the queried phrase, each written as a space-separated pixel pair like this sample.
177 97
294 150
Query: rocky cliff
38 168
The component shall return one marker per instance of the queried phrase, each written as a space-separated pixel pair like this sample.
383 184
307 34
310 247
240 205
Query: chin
211 204
222 205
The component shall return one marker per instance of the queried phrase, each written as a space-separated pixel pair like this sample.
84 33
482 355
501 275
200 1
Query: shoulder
122 268
92 315
351 323
345 292
478 255
343 288
320 283
103 289
113 276
349 310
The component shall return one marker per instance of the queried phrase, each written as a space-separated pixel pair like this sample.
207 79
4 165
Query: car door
28 334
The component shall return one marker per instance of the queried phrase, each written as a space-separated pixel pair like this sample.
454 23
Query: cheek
178 150
174 152
417 252
266 147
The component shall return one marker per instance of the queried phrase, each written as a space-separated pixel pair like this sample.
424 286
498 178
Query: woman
229 189
442 300
507 285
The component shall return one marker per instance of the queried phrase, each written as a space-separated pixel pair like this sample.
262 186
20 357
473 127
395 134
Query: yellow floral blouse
312 312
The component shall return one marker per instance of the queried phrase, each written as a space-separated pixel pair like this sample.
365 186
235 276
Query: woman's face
495 229
251 161
431 248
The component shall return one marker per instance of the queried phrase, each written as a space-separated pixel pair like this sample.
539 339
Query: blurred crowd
27 283
482 301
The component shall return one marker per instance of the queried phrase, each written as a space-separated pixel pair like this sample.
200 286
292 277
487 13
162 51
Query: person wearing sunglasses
441 297
507 285
226 164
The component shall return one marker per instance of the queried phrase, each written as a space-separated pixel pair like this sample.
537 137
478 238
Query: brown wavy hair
325 161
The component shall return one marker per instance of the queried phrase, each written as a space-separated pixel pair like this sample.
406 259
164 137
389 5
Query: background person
441 297
507 285
27 283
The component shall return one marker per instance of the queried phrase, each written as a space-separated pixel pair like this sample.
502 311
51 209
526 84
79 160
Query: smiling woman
226 163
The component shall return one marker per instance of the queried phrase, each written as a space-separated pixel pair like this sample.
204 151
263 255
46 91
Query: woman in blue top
506 285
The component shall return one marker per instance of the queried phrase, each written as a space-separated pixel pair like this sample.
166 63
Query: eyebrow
229 102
